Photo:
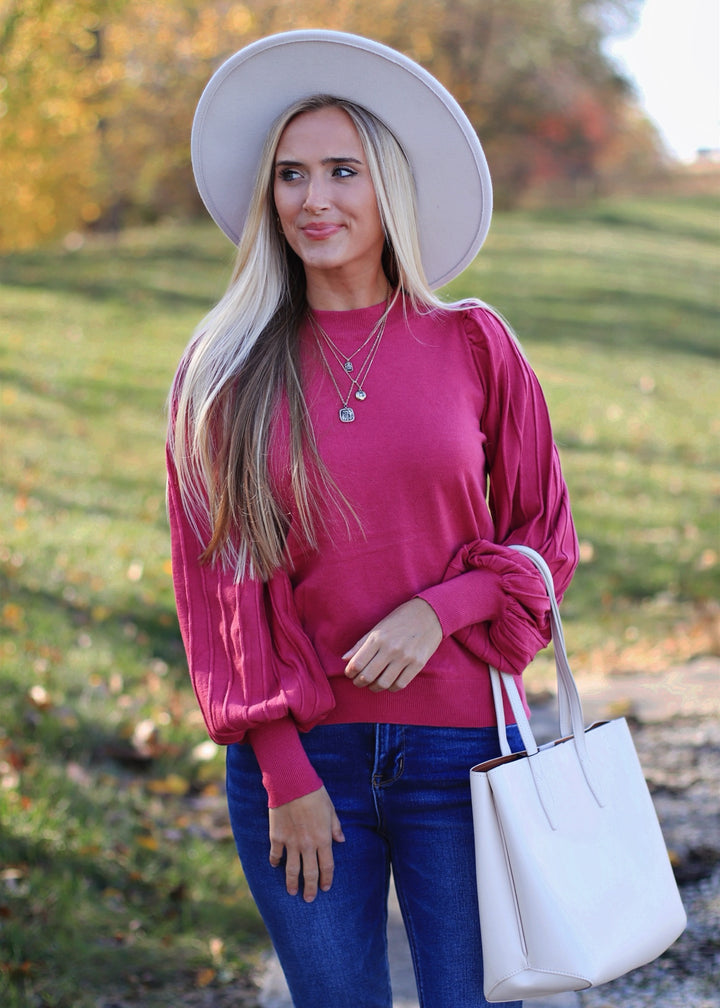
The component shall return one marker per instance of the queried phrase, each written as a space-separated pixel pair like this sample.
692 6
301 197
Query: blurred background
97 96
119 884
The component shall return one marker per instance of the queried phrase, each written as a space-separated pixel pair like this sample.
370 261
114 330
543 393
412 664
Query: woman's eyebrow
290 163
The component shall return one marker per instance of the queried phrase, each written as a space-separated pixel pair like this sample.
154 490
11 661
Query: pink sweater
449 461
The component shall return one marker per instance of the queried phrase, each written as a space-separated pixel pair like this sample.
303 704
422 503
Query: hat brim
252 88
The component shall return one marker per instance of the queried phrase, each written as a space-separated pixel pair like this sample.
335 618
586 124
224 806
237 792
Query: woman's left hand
396 649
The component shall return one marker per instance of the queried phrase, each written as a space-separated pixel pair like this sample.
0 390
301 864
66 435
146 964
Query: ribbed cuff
473 597
287 772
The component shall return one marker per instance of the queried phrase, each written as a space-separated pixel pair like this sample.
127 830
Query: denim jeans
402 794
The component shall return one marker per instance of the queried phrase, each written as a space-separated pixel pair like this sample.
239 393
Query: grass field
118 878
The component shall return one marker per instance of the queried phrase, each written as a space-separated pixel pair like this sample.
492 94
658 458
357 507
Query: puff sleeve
492 599
253 669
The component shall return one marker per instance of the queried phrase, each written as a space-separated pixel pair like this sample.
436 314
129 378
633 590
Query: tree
53 85
97 96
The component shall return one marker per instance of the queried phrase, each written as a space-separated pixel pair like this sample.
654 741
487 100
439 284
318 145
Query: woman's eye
344 171
288 174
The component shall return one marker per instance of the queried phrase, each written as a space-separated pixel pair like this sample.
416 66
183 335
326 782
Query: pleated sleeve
253 669
492 598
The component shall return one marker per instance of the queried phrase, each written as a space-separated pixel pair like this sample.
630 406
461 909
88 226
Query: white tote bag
574 882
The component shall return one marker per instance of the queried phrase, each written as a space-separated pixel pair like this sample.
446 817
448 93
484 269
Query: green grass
617 306
118 878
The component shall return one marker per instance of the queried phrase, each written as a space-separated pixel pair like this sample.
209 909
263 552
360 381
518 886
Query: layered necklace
356 371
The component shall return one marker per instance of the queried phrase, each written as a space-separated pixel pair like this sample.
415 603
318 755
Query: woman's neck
326 292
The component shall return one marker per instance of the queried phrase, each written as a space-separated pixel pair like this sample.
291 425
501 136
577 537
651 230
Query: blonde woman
349 461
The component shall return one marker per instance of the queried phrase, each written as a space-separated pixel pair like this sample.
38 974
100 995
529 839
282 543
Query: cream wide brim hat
255 86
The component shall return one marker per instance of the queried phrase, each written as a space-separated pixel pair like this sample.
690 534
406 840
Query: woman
349 461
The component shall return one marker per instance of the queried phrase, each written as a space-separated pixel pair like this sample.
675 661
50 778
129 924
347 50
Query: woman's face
325 198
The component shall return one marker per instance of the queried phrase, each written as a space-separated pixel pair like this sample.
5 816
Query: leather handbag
574 882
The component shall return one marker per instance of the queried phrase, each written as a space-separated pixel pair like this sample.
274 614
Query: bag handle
569 704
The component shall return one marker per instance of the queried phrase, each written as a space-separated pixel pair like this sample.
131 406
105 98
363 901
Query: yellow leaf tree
50 111
97 96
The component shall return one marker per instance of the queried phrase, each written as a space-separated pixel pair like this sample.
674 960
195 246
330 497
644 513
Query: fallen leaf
205 977
39 697
13 616
16 970
173 784
135 571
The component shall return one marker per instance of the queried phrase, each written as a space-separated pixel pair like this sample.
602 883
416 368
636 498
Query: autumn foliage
97 96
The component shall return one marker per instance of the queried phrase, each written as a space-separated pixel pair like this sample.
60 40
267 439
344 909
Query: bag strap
569 705
570 708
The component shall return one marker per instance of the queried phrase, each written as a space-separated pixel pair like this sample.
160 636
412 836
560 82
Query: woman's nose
316 199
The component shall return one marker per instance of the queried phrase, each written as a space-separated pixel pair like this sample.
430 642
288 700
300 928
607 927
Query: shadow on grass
613 317
698 222
163 271
651 452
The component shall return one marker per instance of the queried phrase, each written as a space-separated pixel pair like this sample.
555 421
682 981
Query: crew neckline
355 321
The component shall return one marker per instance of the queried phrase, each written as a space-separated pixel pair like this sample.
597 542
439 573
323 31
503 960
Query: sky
673 56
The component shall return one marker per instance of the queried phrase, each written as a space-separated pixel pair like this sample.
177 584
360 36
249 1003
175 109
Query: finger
276 853
336 828
351 652
370 672
382 669
359 664
326 864
388 679
356 647
326 860
404 679
292 874
397 677
311 875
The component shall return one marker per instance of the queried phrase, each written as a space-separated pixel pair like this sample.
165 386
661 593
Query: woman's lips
319 232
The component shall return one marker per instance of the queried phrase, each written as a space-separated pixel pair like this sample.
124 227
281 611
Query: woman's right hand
305 830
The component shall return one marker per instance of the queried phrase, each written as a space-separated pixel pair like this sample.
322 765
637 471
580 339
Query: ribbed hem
433 702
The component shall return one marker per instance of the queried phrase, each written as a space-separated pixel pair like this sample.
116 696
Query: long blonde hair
245 354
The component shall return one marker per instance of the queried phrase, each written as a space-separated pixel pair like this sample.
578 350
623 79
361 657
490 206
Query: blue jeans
402 794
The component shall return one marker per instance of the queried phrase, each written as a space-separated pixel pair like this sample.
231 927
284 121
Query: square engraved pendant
347 414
